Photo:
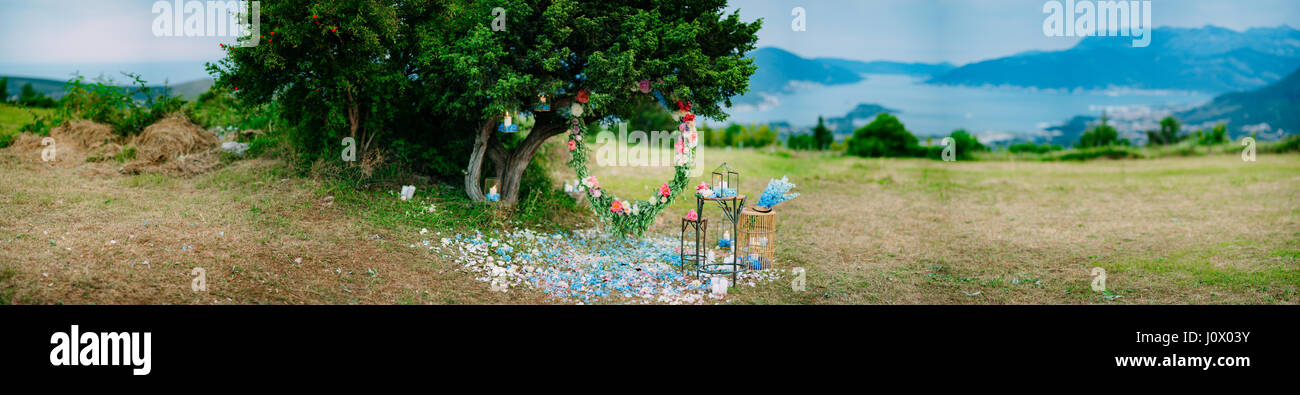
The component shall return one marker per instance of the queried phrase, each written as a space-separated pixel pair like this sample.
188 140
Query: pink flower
664 190
645 86
595 193
692 216
702 186
616 207
573 145
592 182
681 146
693 138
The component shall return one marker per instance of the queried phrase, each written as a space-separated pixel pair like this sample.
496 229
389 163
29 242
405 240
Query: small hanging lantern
542 104
507 125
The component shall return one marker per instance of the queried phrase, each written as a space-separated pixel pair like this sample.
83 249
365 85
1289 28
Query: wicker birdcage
756 243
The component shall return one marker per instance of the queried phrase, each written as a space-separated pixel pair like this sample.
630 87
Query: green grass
12 119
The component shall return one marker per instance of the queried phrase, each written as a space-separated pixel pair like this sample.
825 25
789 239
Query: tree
965 144
884 136
1168 133
690 49
822 135
340 69
4 89
29 97
1101 135
732 135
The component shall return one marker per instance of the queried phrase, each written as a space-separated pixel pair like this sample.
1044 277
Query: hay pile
73 143
174 146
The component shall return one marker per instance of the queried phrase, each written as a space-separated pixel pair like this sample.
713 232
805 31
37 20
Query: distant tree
1101 135
1168 134
884 136
800 142
731 136
29 97
707 135
965 144
759 136
1216 135
4 89
822 136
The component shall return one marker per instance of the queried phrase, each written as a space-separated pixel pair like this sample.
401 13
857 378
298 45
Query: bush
1108 152
1028 147
884 136
1102 135
126 110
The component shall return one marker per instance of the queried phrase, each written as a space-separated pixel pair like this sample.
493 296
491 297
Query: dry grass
58 227
1205 230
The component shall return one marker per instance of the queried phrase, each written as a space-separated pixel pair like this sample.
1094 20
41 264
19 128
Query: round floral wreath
632 217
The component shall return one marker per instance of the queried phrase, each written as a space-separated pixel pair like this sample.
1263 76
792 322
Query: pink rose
573 145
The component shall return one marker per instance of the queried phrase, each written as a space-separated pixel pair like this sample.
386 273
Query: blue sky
962 31
53 38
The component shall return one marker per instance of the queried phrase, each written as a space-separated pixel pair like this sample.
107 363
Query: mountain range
54 88
1271 111
1208 59
779 71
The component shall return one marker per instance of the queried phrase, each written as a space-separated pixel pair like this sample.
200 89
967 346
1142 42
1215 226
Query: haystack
174 145
73 142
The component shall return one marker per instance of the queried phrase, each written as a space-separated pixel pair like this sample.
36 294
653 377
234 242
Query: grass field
1196 230
12 118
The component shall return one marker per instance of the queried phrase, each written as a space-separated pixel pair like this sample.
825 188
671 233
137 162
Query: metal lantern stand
698 230
731 207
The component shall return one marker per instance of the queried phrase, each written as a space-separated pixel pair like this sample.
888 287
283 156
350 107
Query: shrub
884 136
1028 147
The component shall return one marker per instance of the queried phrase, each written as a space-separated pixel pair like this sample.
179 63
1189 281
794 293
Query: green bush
1108 152
885 136
126 110
1031 148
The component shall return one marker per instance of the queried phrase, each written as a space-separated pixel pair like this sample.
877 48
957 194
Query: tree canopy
437 71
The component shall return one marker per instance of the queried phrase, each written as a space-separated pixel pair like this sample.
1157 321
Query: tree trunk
510 164
475 167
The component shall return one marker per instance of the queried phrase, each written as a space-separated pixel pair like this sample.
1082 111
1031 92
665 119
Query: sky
964 31
53 38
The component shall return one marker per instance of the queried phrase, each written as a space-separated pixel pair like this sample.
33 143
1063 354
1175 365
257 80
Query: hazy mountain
1067 134
777 68
855 118
54 88
1206 59
889 67
1271 111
